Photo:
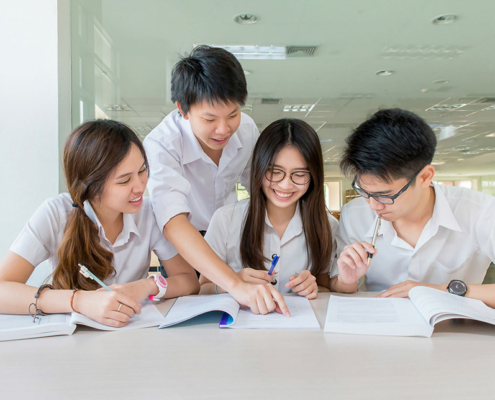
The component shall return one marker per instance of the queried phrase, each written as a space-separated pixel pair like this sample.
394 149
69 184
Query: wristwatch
162 285
457 287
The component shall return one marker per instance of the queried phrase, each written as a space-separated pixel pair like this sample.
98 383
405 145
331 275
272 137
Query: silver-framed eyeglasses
297 177
381 198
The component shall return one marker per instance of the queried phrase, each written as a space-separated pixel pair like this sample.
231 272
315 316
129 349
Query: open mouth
282 196
220 141
137 201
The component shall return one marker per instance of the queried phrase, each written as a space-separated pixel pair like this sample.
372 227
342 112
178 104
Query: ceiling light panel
298 107
250 52
424 52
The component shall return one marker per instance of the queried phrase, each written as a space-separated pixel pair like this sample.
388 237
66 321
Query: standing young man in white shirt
430 234
196 155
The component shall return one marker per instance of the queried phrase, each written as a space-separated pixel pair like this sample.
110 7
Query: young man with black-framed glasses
430 234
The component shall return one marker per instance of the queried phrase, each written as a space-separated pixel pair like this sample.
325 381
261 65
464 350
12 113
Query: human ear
426 176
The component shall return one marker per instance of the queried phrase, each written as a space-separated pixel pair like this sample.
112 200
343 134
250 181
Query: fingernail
286 314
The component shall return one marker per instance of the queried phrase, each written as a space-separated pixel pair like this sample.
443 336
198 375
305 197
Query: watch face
162 281
458 287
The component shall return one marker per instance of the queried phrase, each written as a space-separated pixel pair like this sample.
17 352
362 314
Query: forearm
15 298
485 293
336 285
208 287
196 251
181 285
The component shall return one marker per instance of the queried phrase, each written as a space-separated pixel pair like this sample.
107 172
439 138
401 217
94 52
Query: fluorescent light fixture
250 52
438 162
490 135
299 107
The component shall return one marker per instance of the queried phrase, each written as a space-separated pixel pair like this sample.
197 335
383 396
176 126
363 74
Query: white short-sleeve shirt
183 179
224 237
458 242
40 238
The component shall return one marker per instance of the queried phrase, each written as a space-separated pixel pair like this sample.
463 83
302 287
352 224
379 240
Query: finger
313 294
254 307
293 277
296 281
347 261
303 286
127 310
118 316
308 290
368 247
279 299
390 292
270 304
113 323
125 300
360 257
261 305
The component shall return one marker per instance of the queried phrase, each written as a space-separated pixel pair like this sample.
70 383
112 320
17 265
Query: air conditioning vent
301 51
486 100
270 101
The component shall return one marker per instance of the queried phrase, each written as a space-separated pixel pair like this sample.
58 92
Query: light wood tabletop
196 360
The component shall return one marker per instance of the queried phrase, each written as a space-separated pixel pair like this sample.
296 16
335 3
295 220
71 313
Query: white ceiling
356 38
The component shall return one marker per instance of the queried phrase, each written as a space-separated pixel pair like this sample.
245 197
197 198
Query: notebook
237 317
14 327
415 316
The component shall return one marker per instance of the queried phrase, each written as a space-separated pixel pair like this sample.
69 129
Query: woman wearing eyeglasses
431 235
285 216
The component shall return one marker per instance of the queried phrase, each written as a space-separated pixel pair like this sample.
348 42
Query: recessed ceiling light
385 72
246 19
440 82
253 52
425 90
444 19
247 72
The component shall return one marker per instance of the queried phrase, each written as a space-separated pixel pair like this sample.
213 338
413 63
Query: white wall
29 108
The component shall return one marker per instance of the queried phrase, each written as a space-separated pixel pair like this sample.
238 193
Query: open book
14 327
235 316
415 316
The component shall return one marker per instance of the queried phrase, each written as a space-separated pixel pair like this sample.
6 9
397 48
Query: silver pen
375 234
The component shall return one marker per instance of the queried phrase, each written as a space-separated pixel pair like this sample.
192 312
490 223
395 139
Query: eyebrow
295 169
236 109
129 173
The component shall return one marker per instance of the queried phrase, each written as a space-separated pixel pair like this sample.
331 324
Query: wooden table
196 360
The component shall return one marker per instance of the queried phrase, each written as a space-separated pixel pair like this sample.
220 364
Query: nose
285 183
140 183
375 205
222 127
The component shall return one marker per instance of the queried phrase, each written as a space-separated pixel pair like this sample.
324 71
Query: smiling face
124 188
286 193
213 125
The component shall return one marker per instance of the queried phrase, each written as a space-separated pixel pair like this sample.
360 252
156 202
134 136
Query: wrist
151 287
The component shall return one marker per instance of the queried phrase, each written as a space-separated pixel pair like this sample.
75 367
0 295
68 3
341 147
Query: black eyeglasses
297 177
382 198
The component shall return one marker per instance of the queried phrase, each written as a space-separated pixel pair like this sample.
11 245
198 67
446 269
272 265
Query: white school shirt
41 237
458 242
224 237
183 179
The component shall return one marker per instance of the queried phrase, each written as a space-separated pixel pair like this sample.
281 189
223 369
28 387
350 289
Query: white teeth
137 199
282 194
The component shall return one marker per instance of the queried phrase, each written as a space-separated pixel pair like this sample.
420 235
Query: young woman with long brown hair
285 216
104 223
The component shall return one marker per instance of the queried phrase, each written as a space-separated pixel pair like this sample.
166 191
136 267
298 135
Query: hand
102 306
303 284
261 299
402 289
256 276
353 261
138 290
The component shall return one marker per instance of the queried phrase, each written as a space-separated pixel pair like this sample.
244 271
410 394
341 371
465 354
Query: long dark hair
91 154
276 136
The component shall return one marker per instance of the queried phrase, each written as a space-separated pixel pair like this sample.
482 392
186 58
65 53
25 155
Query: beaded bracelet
37 312
216 290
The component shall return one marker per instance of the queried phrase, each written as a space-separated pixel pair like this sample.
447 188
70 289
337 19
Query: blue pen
88 274
274 263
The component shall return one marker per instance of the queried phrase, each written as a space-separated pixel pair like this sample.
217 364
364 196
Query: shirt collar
442 212
192 150
294 228
124 236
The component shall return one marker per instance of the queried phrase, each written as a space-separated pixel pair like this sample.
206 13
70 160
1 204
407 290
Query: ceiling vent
301 51
270 101
485 100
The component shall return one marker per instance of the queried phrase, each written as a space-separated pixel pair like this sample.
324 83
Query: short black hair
208 73
391 144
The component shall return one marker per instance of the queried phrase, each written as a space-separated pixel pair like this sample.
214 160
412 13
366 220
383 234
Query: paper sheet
392 317
302 317
150 316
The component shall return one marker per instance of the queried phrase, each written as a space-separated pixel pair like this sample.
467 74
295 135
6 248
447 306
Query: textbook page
437 306
13 327
302 317
150 316
189 307
391 317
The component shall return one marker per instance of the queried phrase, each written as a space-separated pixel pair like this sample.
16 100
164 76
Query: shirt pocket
438 273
